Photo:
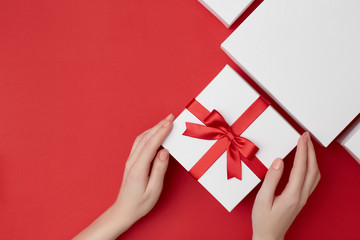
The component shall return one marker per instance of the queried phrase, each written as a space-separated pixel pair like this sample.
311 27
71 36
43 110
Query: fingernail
307 136
163 155
169 116
276 164
166 123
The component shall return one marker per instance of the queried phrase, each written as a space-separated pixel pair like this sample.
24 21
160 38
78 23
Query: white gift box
231 95
351 142
227 11
305 54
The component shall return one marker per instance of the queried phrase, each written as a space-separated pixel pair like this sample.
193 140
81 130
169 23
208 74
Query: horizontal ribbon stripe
238 148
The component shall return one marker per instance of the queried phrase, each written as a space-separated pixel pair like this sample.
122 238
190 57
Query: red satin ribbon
238 148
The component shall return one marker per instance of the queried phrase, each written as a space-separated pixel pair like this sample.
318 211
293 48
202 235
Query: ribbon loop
202 132
216 120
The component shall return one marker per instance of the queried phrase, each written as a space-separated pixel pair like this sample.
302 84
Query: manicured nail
166 123
169 116
164 154
307 136
276 164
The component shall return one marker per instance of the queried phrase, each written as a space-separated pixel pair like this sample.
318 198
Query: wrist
120 218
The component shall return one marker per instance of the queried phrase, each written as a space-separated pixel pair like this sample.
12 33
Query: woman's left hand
141 186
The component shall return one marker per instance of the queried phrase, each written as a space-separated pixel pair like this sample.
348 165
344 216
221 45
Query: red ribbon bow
216 128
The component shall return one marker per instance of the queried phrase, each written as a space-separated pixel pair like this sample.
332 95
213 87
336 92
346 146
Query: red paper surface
80 79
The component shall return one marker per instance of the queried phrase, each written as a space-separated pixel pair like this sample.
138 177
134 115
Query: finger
140 140
312 169
297 175
130 161
318 177
158 172
148 135
266 193
150 148
137 140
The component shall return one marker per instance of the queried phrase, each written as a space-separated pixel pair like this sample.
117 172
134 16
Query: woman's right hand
272 215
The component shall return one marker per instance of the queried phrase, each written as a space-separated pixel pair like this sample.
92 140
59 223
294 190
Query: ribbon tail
233 163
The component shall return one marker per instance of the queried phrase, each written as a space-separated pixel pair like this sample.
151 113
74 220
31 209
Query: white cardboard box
305 54
231 95
351 142
227 11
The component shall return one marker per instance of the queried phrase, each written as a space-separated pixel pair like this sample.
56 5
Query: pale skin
142 185
272 215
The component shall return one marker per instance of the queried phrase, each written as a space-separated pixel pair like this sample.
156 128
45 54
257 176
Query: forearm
265 238
109 225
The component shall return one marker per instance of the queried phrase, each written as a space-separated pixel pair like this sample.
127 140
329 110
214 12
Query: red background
80 79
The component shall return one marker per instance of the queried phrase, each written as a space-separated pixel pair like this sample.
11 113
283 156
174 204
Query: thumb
267 191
